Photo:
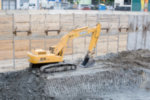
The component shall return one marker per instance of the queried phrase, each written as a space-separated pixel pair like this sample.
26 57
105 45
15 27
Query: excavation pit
122 76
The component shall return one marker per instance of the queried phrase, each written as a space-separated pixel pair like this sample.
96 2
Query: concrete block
108 18
22 26
92 17
6 33
6 27
4 46
36 44
101 16
67 28
66 18
104 24
67 24
52 26
124 18
92 23
53 18
22 34
124 25
21 18
38 18
53 33
114 25
39 33
5 19
6 49
38 27
80 21
78 16
38 11
51 42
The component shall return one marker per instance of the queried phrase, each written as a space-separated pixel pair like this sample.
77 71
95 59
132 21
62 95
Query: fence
26 36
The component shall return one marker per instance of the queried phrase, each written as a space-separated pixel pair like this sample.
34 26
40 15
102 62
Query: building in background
126 5
87 2
123 5
51 4
33 4
8 4
95 2
18 4
84 4
28 4
22 4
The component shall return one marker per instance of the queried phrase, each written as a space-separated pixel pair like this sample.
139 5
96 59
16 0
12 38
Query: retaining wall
120 31
40 20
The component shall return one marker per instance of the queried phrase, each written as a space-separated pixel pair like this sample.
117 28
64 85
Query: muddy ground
122 76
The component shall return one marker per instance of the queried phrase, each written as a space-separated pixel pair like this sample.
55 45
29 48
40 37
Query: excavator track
58 67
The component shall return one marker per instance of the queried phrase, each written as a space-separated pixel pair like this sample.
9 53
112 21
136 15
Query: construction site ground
122 76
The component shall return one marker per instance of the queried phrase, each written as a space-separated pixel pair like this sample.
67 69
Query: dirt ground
122 76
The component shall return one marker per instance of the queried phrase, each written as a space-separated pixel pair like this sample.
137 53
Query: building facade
85 2
8 4
122 3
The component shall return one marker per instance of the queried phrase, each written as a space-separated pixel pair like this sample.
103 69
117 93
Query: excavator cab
51 49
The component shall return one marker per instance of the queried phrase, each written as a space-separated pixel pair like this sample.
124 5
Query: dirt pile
138 58
122 76
22 85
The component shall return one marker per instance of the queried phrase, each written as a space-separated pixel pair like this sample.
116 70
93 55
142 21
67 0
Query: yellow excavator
52 59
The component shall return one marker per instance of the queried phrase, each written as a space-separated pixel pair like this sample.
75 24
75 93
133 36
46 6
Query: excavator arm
59 48
92 45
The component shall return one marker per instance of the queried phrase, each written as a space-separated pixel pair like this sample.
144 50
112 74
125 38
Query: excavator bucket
87 62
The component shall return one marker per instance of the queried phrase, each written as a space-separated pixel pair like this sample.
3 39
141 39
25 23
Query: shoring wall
21 31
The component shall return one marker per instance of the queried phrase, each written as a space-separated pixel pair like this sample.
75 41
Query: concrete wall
139 36
40 20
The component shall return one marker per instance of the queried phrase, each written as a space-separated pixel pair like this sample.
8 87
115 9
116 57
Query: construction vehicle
52 60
